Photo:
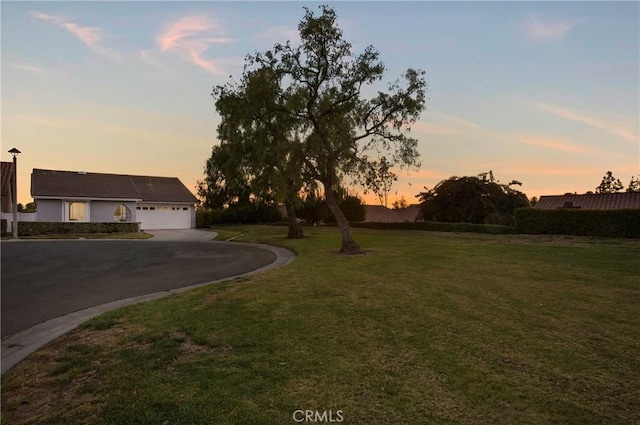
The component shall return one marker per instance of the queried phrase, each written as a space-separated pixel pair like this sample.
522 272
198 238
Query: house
591 201
71 196
382 214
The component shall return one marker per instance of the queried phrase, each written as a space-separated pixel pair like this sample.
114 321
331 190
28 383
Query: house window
122 213
76 211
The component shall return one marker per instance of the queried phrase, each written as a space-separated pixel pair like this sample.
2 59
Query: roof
382 214
73 184
6 169
591 201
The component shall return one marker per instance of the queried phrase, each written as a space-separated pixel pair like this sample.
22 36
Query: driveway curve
49 287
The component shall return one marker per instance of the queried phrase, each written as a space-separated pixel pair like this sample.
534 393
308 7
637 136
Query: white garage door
163 217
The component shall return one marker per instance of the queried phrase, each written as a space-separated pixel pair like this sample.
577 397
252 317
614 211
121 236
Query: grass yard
427 328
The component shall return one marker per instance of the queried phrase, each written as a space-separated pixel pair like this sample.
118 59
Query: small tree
377 177
609 184
400 204
634 184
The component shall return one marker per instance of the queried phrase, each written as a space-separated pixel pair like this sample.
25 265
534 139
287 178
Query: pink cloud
612 128
537 29
462 122
26 67
555 144
90 36
191 37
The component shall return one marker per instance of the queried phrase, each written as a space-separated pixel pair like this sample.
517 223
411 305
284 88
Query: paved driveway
42 280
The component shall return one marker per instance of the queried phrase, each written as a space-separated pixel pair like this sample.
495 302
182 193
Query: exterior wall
49 210
102 211
56 210
7 204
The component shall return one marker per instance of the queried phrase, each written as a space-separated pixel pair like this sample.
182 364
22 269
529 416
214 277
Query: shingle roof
595 201
72 184
6 169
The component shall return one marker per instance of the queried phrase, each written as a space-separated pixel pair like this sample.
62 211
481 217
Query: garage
157 216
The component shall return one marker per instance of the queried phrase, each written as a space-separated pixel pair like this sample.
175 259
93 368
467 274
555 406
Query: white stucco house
72 196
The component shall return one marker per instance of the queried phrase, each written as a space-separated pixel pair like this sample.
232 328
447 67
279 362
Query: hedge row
253 213
606 223
438 227
32 228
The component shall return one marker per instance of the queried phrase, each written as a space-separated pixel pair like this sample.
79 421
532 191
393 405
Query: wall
102 211
49 210
22 217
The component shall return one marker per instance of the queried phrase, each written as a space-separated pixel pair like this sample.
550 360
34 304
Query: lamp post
14 152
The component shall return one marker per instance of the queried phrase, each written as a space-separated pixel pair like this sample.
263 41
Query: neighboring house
382 214
591 201
6 169
154 202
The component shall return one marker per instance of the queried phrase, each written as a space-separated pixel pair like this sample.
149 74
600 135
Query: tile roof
591 201
381 214
72 184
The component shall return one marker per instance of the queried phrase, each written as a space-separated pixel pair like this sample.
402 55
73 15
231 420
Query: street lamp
14 152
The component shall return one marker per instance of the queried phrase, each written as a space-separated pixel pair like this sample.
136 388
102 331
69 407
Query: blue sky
547 93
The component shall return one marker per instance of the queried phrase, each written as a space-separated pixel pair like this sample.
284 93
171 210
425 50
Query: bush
205 218
252 212
33 228
438 227
577 222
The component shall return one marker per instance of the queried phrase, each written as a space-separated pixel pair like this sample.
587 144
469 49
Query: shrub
438 227
250 212
33 228
601 223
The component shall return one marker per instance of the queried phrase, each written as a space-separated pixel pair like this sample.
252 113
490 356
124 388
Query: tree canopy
301 113
634 184
609 184
479 199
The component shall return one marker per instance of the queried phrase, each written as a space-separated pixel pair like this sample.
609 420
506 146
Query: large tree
259 154
340 133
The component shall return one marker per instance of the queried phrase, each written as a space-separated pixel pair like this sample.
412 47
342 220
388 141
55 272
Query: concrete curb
17 347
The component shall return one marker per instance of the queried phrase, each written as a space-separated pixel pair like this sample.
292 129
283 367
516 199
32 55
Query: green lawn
425 328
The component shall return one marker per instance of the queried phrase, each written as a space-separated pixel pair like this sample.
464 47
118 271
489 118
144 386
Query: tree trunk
295 229
349 246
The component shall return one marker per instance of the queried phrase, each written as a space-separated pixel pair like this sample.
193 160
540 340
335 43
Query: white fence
21 217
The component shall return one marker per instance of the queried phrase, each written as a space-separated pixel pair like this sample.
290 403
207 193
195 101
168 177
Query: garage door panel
164 217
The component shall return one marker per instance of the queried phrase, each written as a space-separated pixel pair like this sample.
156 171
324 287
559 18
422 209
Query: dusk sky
547 93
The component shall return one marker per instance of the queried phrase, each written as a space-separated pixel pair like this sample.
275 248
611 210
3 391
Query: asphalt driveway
42 280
